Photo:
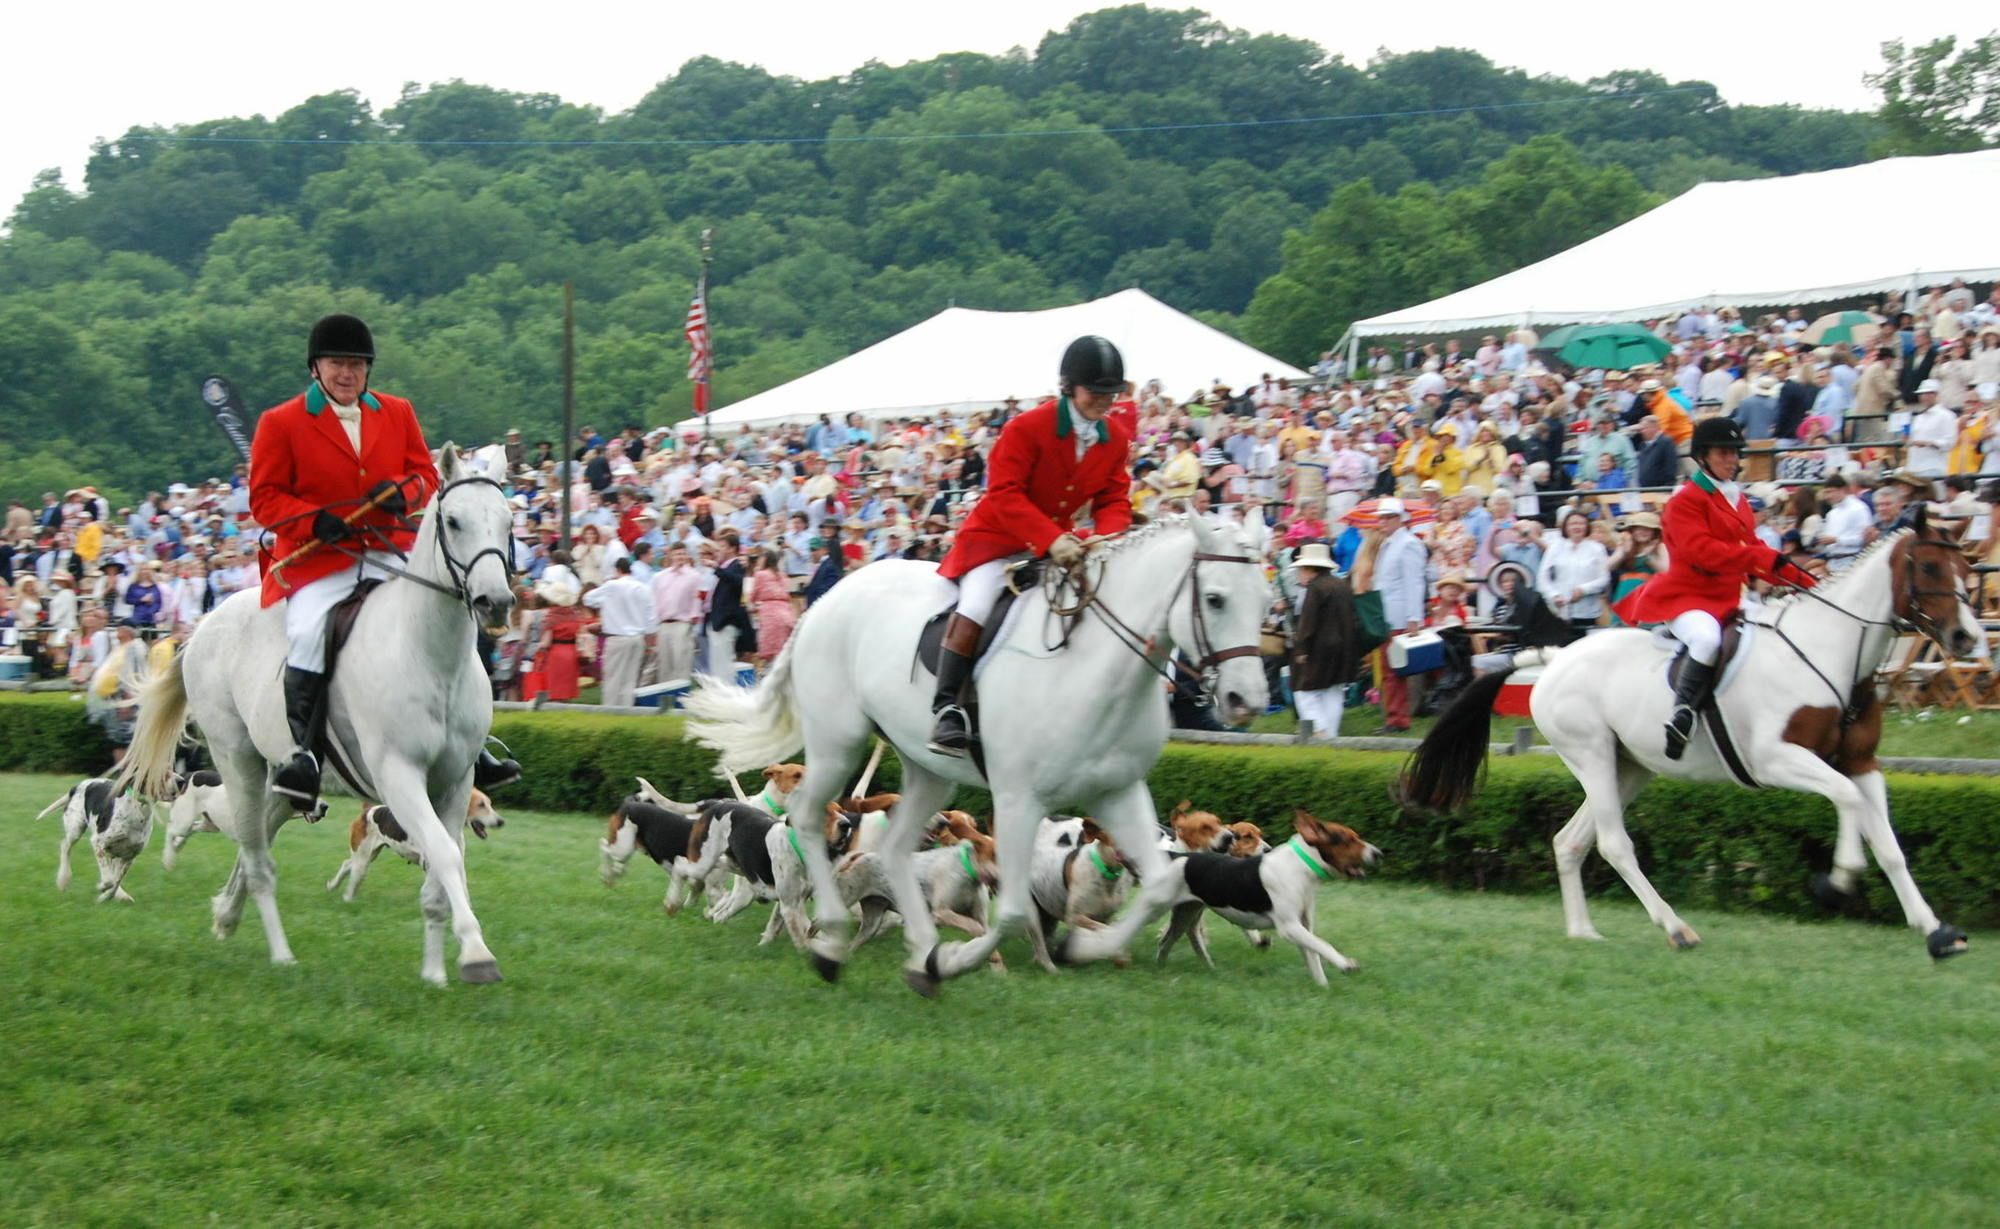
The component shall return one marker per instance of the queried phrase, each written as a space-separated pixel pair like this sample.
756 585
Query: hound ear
1181 808
1303 820
770 772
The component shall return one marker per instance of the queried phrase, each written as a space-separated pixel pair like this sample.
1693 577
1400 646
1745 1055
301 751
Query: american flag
698 351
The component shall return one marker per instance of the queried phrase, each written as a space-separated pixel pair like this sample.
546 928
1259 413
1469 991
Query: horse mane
1141 535
1838 585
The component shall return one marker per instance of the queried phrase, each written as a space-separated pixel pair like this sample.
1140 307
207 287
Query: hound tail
163 713
1444 772
748 727
57 805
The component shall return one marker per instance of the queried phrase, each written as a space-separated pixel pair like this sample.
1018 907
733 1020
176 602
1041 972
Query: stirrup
304 798
491 772
949 741
1677 737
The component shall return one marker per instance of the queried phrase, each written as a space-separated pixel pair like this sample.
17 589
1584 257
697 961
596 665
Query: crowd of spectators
695 551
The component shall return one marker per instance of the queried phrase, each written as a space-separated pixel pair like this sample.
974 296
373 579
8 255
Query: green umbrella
1614 347
1835 328
1556 339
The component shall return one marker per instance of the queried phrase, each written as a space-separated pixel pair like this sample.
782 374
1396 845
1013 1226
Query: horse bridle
1211 657
457 572
1920 622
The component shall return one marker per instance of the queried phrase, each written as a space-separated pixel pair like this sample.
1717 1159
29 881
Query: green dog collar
1105 870
771 804
965 857
1298 847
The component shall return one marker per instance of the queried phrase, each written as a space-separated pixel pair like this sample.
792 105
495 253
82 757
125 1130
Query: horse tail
1444 771
748 727
163 712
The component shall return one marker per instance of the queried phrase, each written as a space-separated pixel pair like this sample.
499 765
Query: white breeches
980 588
1322 708
309 604
1698 630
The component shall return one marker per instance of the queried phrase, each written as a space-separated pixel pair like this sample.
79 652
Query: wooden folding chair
1907 673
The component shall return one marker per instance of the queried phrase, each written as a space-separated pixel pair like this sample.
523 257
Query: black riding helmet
1716 433
1093 363
339 336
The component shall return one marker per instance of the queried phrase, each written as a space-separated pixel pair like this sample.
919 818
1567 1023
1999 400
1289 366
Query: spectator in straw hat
1325 645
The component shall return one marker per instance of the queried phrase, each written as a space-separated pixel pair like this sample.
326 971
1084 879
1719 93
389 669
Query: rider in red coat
315 459
1712 550
1048 464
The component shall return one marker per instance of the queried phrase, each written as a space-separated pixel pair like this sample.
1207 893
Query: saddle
930 642
339 628
1711 708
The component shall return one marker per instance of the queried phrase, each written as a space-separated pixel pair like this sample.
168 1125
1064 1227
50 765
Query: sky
94 70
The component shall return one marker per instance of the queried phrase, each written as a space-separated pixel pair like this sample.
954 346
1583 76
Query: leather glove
329 528
1067 551
395 503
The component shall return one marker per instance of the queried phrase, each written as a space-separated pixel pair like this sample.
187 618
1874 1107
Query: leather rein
457 571
1919 622
1211 657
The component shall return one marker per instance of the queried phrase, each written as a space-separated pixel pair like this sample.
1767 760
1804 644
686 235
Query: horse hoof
1945 942
1684 939
480 972
925 980
826 966
1828 895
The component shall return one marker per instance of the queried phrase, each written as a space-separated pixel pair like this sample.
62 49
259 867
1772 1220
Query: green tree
1938 98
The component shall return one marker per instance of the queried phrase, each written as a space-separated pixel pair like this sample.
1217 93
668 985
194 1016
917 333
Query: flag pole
708 365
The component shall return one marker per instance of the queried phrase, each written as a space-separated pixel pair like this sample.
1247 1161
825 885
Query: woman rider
1712 551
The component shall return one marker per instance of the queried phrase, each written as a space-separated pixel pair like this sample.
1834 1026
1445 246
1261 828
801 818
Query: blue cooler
1416 653
746 676
14 667
662 695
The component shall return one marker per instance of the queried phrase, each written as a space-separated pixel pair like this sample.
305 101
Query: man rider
1048 463
1712 549
314 460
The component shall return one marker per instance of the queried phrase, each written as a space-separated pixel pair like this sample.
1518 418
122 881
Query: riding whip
374 501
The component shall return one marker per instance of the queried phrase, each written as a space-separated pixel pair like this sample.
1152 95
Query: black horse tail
1445 770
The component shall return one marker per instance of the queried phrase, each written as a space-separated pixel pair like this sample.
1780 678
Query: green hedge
1703 846
47 732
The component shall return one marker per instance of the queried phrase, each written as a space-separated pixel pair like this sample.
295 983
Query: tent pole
1353 352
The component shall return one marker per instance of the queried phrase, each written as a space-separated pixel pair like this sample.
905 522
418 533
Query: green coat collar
316 399
1065 424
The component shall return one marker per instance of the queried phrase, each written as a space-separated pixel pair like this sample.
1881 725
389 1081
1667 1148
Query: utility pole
567 469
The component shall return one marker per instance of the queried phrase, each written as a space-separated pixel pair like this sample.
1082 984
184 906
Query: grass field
1480 1069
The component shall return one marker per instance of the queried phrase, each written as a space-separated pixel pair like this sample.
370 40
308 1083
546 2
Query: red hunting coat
1035 485
301 461
1712 548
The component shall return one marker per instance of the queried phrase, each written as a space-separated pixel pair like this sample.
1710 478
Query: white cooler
14 666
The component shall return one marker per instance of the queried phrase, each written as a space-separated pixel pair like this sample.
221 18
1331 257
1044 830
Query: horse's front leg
1943 938
1016 815
445 898
1132 821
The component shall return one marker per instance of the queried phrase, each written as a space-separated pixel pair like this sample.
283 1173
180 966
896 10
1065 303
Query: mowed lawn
1479 1069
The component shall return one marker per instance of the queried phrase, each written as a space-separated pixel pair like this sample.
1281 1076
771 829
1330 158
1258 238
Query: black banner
230 413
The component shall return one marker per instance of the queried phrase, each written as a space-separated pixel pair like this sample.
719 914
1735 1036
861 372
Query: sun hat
1388 505
1314 555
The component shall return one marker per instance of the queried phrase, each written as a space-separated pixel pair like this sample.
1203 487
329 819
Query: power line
908 137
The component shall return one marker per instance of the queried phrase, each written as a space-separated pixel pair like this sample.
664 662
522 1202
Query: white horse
1076 723
409 710
1802 712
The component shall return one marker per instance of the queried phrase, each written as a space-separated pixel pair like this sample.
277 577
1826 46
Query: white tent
965 360
1802 239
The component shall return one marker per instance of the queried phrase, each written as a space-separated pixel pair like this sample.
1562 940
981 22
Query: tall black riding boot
305 712
1697 681
951 729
